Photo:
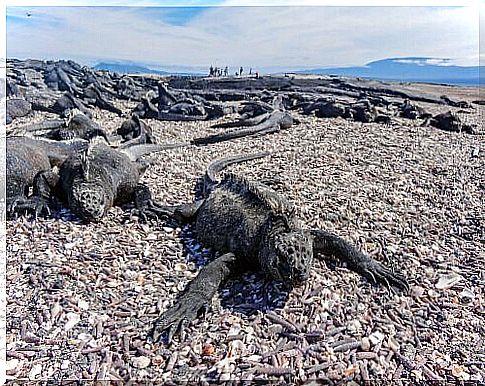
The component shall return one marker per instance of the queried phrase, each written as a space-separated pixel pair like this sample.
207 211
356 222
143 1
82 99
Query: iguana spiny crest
89 196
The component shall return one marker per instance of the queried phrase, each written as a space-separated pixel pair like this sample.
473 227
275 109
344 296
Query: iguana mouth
291 277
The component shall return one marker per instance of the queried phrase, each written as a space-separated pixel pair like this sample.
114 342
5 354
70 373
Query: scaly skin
257 229
29 163
94 181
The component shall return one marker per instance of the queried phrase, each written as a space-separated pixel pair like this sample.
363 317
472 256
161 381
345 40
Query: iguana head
89 201
289 258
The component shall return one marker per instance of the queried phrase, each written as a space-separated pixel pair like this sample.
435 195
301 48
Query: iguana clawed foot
36 205
148 212
330 243
178 317
146 208
378 273
196 297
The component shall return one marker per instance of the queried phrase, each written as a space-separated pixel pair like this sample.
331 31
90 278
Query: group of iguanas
253 226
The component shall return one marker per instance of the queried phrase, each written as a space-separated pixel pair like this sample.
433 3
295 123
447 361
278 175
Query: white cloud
249 36
482 35
343 36
426 61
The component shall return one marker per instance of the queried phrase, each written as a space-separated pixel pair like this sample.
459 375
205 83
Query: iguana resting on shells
77 125
255 228
29 164
95 180
134 131
266 123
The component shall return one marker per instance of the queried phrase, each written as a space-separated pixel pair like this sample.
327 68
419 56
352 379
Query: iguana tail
137 151
218 165
44 125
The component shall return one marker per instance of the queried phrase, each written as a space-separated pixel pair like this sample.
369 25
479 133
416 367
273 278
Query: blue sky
264 37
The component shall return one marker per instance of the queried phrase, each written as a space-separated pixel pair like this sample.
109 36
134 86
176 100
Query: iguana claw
36 205
178 317
379 273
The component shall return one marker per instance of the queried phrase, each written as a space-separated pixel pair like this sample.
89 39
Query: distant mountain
127 68
137 68
409 69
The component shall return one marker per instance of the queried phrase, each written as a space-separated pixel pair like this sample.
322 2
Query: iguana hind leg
196 297
331 244
147 208
181 213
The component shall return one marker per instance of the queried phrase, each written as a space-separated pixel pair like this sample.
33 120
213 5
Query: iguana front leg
332 244
38 203
20 204
196 296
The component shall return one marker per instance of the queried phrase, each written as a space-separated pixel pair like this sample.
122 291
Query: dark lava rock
17 107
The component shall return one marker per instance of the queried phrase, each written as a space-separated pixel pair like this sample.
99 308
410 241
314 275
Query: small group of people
217 71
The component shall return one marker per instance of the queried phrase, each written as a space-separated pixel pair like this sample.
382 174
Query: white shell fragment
141 362
11 364
448 281
180 267
467 295
72 320
83 305
56 308
365 344
35 371
376 337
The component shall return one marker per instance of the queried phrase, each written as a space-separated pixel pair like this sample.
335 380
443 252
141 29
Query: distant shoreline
140 70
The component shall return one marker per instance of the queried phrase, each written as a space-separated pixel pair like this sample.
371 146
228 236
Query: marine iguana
29 164
146 108
92 95
80 126
449 121
255 228
266 123
66 103
135 132
93 181
77 125
412 111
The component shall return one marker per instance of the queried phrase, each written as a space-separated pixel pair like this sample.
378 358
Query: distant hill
127 68
409 69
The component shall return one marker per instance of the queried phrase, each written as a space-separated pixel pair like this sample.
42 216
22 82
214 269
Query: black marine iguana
77 125
29 162
95 180
255 228
134 131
